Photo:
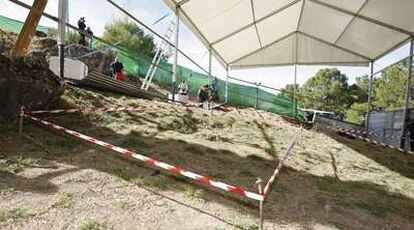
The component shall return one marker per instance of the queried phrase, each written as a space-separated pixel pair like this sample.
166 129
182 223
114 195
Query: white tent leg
226 94
62 15
294 89
369 97
175 71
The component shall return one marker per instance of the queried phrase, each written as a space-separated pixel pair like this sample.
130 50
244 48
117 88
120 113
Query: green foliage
12 214
66 200
327 90
91 225
389 90
130 36
287 92
356 113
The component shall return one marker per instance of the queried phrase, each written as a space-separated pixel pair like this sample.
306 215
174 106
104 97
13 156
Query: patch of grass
194 149
65 200
14 165
159 181
90 224
193 192
12 214
248 226
126 204
121 171
214 174
245 172
371 206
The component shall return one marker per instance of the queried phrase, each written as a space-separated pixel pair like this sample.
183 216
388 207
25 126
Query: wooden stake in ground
29 28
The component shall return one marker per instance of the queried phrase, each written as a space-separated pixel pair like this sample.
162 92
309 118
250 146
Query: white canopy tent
260 33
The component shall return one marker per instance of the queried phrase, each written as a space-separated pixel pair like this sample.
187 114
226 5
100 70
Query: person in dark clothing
203 95
90 36
117 68
82 27
410 131
214 88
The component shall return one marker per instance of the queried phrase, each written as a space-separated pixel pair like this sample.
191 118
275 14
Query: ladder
158 56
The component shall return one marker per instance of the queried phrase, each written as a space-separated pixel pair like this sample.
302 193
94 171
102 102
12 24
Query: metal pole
226 94
294 89
257 95
62 16
175 71
369 97
407 95
259 184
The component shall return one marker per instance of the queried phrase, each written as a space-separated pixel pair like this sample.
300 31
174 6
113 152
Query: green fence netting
138 64
11 25
239 95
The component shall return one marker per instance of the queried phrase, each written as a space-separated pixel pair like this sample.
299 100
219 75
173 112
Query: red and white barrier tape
103 109
150 161
342 130
272 179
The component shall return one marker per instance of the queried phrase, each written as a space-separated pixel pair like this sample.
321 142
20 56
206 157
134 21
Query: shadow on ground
396 161
298 198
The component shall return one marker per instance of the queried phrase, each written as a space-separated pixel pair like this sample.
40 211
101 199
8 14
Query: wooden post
29 28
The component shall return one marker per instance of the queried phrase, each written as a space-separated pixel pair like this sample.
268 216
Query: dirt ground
50 181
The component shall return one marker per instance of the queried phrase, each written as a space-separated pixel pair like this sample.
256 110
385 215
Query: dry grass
330 180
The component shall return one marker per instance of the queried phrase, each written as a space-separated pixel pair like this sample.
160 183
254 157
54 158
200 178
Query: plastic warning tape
153 162
371 140
88 110
272 179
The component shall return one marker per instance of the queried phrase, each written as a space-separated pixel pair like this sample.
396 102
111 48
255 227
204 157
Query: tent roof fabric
258 33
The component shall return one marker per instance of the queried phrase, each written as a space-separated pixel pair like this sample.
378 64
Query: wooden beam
29 28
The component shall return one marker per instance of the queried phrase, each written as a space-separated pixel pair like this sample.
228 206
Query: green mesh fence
239 95
138 64
11 25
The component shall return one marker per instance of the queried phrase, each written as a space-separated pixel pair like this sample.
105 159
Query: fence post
259 184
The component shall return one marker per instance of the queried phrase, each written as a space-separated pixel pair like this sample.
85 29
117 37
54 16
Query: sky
99 12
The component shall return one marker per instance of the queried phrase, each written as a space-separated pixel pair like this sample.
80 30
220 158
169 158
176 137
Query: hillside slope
51 181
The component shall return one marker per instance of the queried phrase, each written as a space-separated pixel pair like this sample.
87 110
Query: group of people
208 93
84 31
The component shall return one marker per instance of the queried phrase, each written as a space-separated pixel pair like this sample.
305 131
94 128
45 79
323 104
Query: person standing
82 27
90 36
203 95
117 67
183 87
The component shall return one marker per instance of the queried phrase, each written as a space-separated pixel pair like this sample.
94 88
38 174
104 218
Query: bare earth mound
48 181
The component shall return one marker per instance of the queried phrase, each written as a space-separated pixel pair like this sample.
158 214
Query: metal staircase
158 56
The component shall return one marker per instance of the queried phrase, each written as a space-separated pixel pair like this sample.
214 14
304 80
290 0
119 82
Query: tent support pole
62 15
226 94
371 76
407 96
294 89
210 106
175 71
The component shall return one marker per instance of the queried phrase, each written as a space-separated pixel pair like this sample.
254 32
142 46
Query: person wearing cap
82 27
117 67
